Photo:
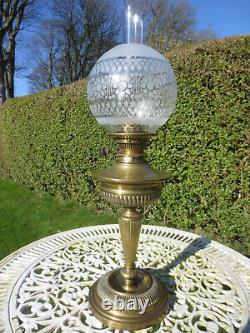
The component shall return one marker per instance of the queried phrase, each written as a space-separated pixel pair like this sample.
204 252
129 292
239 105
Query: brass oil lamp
132 92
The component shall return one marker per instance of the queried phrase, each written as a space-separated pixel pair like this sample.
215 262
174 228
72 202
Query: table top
44 286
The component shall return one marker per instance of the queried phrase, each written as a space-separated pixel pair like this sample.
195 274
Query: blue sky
225 17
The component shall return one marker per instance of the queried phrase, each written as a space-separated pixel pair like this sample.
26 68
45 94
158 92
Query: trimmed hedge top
50 142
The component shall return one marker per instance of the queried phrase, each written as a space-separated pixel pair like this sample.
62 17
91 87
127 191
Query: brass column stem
130 228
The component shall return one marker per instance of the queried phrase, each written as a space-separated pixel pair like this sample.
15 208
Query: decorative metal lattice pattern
142 89
49 281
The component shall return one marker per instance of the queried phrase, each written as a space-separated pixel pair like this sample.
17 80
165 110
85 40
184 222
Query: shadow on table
163 274
246 329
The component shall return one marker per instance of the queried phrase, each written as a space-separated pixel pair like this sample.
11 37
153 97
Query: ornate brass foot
129 298
145 306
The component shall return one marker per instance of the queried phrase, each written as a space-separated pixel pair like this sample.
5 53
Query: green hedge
52 142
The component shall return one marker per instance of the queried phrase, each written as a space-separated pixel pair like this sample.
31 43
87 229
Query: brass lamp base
129 298
110 302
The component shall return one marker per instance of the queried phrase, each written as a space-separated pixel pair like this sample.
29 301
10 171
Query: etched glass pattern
132 90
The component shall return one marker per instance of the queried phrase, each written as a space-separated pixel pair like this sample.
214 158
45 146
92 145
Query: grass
26 216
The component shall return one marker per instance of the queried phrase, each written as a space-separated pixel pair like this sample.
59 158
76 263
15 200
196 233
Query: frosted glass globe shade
132 84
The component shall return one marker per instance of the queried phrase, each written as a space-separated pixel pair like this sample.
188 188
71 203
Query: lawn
26 216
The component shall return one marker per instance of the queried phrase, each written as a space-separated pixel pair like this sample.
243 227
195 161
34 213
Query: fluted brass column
130 183
130 228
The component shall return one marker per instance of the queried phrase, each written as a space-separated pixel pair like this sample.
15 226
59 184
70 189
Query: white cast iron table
44 286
